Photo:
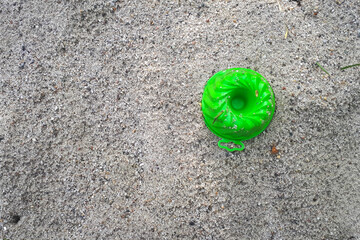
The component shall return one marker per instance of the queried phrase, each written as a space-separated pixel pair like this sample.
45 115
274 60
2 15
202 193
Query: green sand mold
238 104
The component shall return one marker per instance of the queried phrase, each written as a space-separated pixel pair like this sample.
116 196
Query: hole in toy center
238 102
242 100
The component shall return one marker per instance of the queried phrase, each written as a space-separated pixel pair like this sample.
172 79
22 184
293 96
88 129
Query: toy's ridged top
237 104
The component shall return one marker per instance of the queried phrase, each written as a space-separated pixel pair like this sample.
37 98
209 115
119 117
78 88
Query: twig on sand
350 66
279 6
322 68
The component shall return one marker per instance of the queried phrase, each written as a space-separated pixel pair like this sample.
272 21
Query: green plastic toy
237 104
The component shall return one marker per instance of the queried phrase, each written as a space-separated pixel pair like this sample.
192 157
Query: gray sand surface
102 135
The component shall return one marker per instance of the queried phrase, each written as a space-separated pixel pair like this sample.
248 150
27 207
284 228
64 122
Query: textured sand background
102 136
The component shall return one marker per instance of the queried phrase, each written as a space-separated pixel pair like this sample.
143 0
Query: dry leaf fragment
274 150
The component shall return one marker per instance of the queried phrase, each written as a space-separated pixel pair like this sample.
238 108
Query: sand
102 135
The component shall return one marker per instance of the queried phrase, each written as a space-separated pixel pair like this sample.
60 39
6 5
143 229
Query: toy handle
231 149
